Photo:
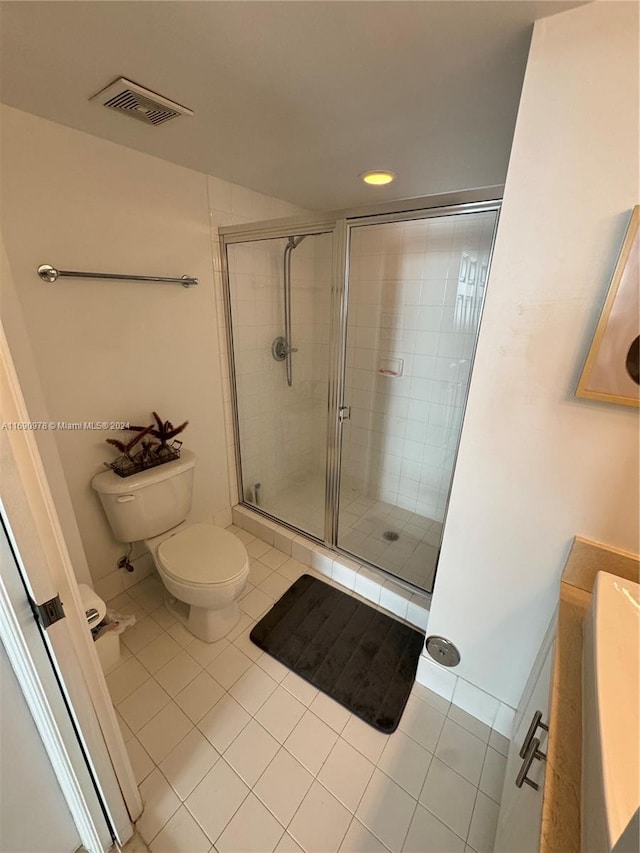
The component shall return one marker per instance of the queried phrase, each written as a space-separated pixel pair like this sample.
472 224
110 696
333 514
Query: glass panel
415 297
282 400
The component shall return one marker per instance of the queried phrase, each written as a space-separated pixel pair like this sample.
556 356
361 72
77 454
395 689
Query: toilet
204 568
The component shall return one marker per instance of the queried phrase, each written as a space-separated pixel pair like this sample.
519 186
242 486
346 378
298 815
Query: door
520 817
24 829
34 815
279 300
57 667
415 290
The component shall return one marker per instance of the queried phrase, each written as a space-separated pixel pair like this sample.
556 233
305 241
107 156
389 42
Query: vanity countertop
560 831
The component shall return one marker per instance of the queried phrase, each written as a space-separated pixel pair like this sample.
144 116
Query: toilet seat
203 555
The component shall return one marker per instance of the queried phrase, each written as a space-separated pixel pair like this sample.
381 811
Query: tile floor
236 754
363 521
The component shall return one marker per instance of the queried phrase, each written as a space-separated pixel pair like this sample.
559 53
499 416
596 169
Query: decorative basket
126 466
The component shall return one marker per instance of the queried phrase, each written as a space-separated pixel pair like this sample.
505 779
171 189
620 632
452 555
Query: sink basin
610 718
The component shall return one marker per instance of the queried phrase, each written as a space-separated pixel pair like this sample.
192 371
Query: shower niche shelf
391 367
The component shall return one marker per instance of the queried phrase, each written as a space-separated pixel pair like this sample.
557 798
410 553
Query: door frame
244 234
339 350
38 544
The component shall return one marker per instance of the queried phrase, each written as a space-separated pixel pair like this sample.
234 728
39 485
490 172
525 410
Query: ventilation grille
127 97
140 107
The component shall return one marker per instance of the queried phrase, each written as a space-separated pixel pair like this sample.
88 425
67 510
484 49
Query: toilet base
207 625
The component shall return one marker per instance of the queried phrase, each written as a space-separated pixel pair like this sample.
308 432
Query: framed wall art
612 369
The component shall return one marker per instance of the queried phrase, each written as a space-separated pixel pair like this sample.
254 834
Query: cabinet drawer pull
532 752
536 723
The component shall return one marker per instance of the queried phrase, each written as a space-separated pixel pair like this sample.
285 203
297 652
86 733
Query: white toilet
203 567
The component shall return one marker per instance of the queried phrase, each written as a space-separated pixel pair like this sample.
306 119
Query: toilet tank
148 503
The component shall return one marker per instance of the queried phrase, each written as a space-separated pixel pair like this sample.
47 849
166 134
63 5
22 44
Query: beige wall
537 465
108 351
22 354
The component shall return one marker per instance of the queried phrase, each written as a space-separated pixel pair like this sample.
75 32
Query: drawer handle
536 723
533 752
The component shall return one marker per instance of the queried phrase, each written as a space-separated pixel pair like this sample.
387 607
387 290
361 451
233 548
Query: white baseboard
481 705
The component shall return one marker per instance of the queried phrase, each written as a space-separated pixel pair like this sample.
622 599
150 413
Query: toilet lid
203 554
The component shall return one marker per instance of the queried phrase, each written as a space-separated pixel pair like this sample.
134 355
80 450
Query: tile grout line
477 787
213 841
227 692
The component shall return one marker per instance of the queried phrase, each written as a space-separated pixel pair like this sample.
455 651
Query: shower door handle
344 414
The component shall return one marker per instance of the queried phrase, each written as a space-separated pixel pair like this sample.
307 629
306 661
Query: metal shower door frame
231 235
339 224
334 455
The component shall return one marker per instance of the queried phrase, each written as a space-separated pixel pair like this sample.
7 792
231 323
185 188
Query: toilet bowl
205 570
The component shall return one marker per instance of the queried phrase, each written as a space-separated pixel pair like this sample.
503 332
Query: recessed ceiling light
378 177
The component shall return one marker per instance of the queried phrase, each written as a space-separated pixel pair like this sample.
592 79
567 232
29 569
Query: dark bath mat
360 657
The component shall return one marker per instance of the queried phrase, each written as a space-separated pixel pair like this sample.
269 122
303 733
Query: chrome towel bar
49 273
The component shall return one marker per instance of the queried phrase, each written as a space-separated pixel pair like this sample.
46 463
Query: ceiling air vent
127 97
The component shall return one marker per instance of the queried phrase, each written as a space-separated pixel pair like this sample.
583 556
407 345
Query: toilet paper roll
92 602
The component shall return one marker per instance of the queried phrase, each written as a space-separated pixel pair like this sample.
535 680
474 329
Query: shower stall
351 343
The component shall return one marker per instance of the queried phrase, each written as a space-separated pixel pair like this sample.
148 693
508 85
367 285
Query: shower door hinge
49 612
344 414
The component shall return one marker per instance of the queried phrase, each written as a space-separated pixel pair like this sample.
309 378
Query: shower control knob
280 348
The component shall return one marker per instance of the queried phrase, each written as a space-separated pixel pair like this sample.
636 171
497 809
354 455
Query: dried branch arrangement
154 447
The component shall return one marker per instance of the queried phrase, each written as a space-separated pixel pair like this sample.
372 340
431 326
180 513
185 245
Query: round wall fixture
443 651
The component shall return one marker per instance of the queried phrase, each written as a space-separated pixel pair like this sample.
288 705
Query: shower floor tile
367 529
203 788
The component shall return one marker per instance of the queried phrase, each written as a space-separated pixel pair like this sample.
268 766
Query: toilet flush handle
123 499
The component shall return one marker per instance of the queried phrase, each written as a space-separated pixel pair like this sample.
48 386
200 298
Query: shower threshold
354 576
380 534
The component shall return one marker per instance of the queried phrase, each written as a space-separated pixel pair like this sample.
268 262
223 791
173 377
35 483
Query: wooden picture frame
610 372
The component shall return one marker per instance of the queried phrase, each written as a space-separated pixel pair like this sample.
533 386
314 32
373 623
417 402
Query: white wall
108 351
537 465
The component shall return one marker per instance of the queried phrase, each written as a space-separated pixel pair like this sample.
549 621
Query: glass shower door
280 300
415 293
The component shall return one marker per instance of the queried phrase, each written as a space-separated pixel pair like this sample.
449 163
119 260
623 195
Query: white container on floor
108 645
108 648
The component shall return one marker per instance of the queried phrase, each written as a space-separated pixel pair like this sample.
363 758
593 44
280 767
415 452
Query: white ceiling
293 99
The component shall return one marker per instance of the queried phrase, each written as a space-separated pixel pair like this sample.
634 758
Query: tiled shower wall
414 302
244 206
282 427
